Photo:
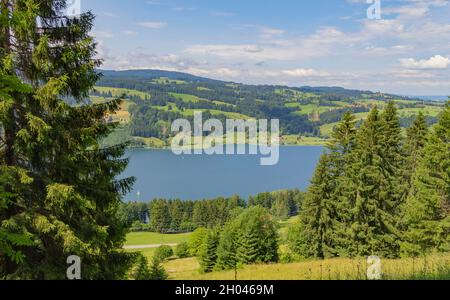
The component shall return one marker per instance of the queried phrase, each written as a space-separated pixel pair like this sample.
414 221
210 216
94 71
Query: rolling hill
154 98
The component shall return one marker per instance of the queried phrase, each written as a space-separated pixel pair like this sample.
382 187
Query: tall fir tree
314 235
427 209
257 237
157 271
160 218
250 238
66 197
326 212
393 160
416 138
227 249
208 251
341 149
373 227
140 270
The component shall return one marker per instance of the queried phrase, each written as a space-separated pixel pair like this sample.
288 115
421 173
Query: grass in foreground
433 267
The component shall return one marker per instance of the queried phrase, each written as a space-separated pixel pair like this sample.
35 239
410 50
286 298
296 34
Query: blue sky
292 42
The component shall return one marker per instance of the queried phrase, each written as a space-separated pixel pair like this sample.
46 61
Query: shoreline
169 149
316 142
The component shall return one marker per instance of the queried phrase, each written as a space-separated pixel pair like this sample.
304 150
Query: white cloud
304 73
384 55
267 32
414 8
153 25
130 33
321 43
435 62
102 34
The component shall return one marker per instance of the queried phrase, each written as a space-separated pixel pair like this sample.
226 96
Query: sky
405 49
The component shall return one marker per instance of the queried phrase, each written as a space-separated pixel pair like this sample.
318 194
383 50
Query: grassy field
310 108
436 266
151 238
151 142
118 92
433 267
296 140
148 253
195 99
429 110
284 227
165 80
122 116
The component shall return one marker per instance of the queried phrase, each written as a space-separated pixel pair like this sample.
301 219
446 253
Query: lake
162 174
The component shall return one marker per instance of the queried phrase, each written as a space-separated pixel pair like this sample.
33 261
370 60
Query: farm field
151 238
428 110
118 92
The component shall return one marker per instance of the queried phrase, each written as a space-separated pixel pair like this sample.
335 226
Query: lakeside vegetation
174 216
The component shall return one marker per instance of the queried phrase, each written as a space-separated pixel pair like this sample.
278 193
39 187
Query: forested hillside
153 99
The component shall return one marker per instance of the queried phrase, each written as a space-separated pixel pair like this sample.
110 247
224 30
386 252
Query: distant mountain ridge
174 75
155 74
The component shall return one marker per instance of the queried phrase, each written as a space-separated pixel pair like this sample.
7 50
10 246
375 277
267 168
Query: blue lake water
162 174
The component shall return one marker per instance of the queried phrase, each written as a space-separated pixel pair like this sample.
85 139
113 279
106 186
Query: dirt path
148 246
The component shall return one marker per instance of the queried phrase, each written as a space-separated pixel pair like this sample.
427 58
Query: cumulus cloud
130 32
153 25
435 62
391 54
102 34
304 73
267 32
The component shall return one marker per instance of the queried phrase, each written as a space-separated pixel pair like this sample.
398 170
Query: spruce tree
326 211
257 237
313 236
393 160
416 138
157 271
248 249
208 251
375 196
281 208
176 213
140 270
160 218
341 149
66 197
227 249
427 209
250 238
